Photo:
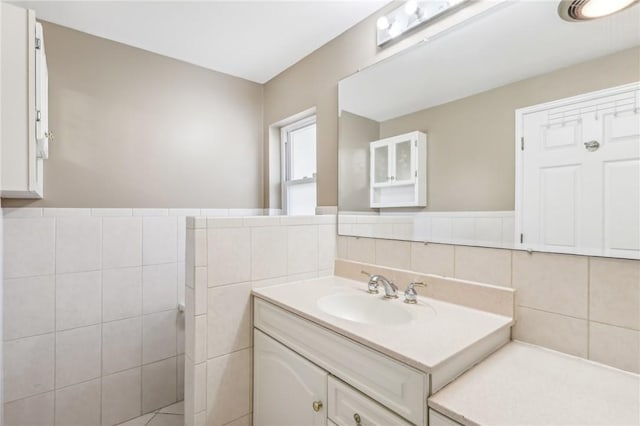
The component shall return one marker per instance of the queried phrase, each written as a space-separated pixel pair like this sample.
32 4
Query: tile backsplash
584 306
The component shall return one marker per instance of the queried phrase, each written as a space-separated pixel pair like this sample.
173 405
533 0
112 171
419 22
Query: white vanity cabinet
398 171
297 363
288 390
24 135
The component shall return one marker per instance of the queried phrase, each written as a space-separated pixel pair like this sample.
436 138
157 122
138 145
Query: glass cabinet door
381 164
403 167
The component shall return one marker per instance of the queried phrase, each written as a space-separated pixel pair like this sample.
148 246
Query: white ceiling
255 40
509 43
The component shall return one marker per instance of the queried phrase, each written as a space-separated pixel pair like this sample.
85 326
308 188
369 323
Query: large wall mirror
464 92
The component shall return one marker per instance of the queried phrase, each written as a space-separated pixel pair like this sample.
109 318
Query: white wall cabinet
297 363
398 171
24 104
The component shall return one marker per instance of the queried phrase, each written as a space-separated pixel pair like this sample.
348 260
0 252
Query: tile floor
173 415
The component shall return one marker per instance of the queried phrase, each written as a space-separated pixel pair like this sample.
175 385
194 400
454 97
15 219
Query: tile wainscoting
580 305
226 258
92 333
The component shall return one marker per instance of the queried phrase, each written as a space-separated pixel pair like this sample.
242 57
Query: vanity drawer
348 407
395 385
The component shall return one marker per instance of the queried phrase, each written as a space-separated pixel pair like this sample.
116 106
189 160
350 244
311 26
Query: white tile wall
78 404
268 252
229 319
28 366
159 287
488 229
121 242
121 293
159 384
121 345
35 410
121 396
78 299
80 308
77 355
159 240
229 390
78 244
229 254
237 255
159 336
28 247
27 315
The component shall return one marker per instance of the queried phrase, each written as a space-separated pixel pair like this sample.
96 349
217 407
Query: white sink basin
365 309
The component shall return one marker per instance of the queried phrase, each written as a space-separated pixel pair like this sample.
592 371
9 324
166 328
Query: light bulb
383 23
597 8
411 7
396 29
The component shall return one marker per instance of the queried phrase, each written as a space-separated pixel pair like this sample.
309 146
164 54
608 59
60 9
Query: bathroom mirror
462 89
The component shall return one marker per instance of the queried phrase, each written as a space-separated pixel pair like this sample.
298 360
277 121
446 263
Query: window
299 167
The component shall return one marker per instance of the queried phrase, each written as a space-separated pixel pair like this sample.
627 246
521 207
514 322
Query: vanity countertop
523 384
437 333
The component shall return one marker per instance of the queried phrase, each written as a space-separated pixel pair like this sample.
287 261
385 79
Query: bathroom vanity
328 352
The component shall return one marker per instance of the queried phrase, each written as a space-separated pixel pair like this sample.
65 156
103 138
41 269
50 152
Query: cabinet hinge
38 115
38 43
416 173
521 238
522 143
415 143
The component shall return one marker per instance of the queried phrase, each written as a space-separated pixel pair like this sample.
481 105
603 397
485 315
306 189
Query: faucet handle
373 283
410 294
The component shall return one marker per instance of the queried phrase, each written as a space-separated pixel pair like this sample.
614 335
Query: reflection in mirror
462 89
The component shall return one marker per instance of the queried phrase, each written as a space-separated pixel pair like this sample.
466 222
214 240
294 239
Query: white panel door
581 176
286 386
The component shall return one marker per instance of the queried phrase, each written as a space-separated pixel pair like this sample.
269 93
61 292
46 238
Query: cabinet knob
317 406
357 418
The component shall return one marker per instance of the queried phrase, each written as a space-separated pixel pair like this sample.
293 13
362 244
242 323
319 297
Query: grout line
141 315
588 307
554 313
54 331
100 411
55 310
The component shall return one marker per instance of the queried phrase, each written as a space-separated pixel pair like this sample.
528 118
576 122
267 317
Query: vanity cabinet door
288 389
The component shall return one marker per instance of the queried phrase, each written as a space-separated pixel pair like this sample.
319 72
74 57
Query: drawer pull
317 406
357 418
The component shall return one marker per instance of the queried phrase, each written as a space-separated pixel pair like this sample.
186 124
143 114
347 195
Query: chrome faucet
390 289
410 294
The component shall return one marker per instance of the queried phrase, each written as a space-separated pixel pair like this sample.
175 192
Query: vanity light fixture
410 15
584 10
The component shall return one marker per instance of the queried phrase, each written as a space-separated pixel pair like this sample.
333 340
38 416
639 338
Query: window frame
285 149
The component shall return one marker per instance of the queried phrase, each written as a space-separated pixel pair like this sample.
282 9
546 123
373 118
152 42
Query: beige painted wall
471 153
314 82
136 129
356 133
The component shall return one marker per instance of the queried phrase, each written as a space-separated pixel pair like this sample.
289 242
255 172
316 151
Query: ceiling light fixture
383 23
411 7
412 14
584 10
